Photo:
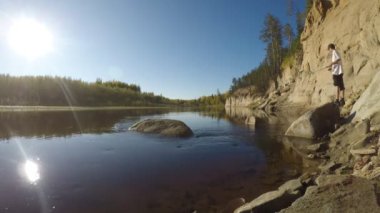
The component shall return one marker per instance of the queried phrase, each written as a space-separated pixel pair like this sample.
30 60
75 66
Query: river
88 161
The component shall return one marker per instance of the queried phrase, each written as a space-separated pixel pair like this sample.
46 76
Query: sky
177 48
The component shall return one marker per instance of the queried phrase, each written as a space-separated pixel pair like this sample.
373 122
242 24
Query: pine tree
272 35
288 34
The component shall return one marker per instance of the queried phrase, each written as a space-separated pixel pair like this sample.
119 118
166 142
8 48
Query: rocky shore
345 148
342 142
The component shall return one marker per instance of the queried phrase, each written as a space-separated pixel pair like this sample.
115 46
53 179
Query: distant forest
59 91
274 34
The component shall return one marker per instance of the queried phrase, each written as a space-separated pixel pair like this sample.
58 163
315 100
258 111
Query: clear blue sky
177 48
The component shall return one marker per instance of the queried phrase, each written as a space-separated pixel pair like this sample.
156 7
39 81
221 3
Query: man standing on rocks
337 72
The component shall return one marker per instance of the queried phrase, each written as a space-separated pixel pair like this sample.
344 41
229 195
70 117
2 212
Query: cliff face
244 97
352 148
354 27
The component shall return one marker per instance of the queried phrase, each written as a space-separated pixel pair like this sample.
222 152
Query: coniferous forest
59 91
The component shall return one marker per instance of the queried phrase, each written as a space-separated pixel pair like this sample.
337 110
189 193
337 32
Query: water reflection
32 171
57 124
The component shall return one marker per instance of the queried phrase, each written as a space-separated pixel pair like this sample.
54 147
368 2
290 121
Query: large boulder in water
316 122
165 127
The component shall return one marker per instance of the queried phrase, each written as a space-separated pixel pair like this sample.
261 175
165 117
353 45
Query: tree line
58 91
273 34
61 91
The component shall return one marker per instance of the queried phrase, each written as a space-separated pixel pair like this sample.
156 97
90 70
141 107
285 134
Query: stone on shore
362 151
337 193
315 123
274 200
164 127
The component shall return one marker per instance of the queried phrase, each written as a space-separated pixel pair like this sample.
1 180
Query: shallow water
89 162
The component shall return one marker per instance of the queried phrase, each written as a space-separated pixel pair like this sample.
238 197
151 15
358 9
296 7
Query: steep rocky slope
354 26
348 177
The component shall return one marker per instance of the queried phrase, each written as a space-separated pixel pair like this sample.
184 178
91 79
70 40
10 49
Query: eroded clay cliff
354 27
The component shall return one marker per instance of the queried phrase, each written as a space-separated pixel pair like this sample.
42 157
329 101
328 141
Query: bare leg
343 93
337 93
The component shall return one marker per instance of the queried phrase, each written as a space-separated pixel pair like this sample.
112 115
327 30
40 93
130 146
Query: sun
30 38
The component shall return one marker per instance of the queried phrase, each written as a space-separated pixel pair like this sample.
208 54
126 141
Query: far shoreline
4 108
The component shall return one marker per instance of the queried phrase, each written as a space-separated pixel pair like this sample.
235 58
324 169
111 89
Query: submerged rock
316 122
165 127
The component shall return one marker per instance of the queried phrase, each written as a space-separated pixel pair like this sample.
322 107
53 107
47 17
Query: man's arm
335 62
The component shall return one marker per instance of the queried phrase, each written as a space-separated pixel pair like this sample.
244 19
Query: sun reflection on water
32 172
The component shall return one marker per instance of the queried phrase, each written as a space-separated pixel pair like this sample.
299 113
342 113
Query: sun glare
30 38
31 171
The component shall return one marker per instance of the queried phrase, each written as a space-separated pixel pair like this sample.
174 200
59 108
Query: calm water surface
89 162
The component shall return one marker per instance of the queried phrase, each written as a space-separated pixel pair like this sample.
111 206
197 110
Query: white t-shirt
336 68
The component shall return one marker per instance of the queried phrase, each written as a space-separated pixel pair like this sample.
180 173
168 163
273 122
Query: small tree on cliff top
271 34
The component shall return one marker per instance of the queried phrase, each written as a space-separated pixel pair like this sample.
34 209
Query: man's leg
337 93
342 102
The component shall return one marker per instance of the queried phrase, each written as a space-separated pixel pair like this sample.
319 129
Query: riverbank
342 143
72 108
347 145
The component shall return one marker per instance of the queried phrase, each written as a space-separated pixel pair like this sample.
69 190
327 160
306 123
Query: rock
308 178
315 123
375 128
359 165
374 173
366 159
329 167
354 133
165 127
344 170
362 151
366 167
251 120
368 105
325 180
375 161
285 89
291 186
262 199
338 131
359 144
233 204
337 193
274 200
316 147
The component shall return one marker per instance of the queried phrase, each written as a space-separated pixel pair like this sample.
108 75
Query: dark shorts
338 81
